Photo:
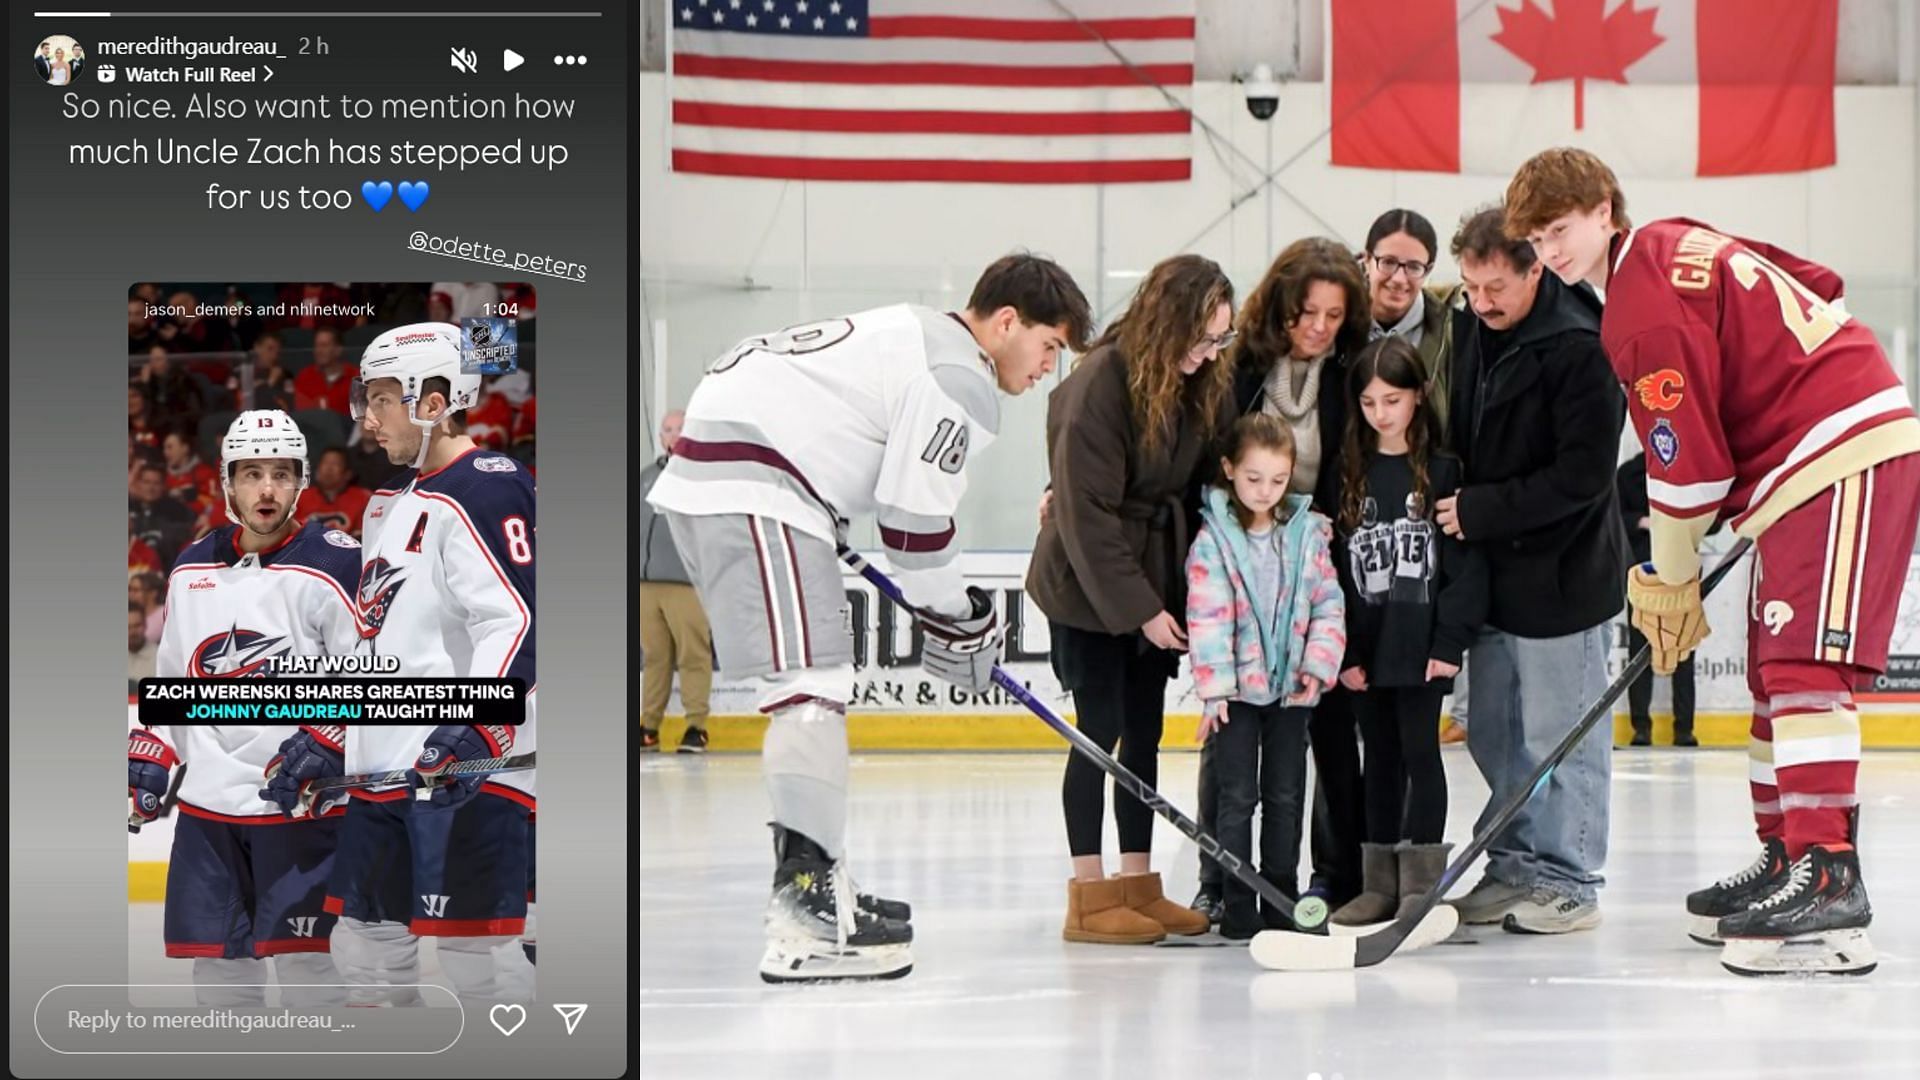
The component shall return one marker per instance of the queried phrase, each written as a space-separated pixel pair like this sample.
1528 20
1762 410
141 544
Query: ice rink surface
976 843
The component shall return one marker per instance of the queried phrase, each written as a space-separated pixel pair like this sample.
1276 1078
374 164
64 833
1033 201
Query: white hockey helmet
411 355
263 434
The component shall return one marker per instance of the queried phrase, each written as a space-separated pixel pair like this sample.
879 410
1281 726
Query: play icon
510 60
571 1014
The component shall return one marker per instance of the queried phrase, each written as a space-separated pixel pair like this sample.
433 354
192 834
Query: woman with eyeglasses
1300 326
1127 432
1401 247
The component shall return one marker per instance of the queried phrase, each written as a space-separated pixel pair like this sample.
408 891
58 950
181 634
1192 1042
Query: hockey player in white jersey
788 436
447 588
245 884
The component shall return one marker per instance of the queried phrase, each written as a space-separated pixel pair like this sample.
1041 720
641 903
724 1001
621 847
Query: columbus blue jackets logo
1664 442
380 582
236 654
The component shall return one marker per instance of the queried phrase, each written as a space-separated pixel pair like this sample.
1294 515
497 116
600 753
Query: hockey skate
1815 923
817 932
1731 895
784 839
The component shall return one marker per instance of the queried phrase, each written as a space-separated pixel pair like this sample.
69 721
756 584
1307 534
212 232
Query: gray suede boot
1420 868
1379 888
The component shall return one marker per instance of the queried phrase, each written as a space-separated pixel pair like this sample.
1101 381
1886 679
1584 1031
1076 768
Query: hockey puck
1309 913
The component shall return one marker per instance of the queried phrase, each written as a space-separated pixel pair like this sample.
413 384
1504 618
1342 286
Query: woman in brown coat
1126 432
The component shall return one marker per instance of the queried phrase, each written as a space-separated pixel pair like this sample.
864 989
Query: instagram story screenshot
373 266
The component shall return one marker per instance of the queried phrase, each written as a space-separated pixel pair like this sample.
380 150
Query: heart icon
413 193
517 1012
376 194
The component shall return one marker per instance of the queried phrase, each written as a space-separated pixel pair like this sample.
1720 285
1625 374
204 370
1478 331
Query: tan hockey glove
1670 616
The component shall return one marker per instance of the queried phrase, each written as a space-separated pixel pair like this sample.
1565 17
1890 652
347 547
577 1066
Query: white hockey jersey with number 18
447 588
876 413
231 615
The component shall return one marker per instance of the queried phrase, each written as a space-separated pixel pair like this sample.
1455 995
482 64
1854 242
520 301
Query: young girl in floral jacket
1266 629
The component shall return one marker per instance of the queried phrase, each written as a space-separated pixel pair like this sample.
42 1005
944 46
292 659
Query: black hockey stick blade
1302 952
514 763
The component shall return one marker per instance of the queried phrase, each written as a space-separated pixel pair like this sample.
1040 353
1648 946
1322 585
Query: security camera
1263 92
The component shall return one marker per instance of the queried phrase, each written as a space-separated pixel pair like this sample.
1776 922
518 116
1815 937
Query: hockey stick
1309 913
487 766
1299 952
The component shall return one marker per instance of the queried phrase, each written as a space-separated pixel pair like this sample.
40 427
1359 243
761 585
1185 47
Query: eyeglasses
1206 343
1390 266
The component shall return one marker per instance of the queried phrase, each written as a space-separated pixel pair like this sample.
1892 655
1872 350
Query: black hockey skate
785 843
815 930
1815 923
1730 895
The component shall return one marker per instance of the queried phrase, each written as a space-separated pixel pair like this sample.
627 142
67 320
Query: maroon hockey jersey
1748 382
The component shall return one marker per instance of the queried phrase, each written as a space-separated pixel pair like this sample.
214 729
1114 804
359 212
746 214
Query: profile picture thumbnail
59 59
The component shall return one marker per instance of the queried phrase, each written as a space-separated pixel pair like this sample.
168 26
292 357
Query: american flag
991 91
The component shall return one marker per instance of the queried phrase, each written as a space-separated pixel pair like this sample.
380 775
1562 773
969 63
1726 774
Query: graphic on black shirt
1393 560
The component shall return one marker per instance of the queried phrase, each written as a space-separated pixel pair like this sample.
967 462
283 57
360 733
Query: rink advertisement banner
376 701
953 91
888 678
1655 87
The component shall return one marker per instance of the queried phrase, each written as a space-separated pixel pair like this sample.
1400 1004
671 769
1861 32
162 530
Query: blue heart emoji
413 193
376 194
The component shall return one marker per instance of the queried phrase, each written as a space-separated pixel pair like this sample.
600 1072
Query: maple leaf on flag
1578 41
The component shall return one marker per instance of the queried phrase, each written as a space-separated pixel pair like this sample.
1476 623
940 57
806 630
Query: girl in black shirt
1415 599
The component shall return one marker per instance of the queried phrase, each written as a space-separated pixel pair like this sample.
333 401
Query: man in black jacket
1536 417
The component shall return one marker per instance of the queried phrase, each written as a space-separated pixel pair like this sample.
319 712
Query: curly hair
1277 302
1163 322
1395 362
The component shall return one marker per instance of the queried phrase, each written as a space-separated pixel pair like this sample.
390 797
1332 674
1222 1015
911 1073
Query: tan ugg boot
1097 912
1144 896
1379 888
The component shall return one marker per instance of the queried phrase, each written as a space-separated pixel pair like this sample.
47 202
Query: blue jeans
1526 694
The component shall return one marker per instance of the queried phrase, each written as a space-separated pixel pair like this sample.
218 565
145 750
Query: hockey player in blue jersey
245 884
446 588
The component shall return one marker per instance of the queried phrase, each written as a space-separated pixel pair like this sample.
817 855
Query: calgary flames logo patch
1661 391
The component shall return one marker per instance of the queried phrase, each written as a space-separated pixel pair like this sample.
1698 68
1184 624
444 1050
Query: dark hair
134 608
1167 316
1038 289
269 335
439 384
331 331
1276 303
1483 234
146 466
1256 429
1395 362
345 458
1404 221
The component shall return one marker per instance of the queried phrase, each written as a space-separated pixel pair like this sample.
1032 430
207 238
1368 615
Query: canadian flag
1655 87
